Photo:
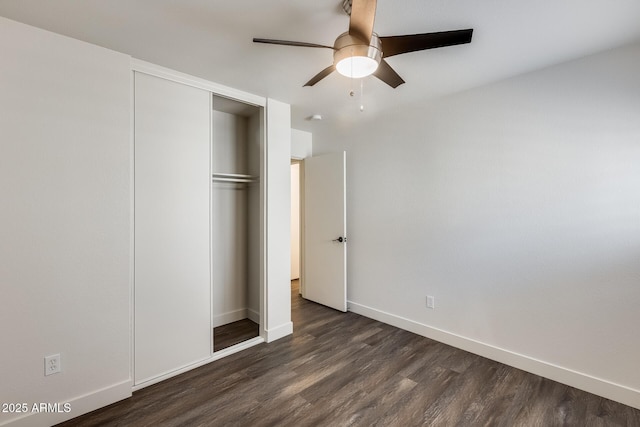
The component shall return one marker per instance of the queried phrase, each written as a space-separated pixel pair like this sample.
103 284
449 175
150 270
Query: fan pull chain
351 91
361 95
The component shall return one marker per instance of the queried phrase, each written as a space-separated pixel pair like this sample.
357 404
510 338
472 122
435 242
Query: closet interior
236 225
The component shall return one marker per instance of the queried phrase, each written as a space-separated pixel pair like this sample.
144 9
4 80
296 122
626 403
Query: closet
235 226
197 225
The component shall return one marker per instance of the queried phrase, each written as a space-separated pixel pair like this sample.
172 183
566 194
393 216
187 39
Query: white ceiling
213 39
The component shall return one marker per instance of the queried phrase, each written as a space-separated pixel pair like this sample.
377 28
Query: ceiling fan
360 52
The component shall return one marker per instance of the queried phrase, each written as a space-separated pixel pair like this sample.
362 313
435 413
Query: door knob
340 239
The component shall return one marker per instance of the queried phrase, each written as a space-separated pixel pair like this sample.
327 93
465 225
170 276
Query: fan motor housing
347 46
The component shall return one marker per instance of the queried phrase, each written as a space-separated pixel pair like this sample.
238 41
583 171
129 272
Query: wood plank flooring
342 369
233 333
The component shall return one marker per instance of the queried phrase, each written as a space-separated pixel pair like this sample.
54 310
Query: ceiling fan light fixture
354 59
358 52
357 66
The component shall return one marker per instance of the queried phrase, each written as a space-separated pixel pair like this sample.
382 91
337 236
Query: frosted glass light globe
357 66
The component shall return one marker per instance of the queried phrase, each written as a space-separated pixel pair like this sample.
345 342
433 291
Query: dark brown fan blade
388 75
363 13
396 45
321 75
289 43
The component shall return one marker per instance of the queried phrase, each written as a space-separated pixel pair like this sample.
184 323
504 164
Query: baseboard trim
229 317
253 315
582 381
279 332
79 406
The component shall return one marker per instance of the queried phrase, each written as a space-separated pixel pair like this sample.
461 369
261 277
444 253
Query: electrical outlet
431 302
52 364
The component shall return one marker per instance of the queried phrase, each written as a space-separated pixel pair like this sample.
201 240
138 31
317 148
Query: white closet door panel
172 255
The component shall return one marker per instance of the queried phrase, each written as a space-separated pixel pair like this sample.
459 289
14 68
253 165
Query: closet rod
220 179
234 177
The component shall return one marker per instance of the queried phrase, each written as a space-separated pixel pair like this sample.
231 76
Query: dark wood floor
342 369
233 333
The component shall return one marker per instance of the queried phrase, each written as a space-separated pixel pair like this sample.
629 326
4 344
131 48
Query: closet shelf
234 177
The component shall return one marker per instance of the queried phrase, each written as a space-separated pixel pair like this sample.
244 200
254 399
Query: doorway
296 223
319 216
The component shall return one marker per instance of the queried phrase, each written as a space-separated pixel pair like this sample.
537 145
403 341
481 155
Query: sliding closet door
172 255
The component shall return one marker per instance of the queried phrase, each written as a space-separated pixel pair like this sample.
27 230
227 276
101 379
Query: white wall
517 206
229 220
301 144
278 299
65 221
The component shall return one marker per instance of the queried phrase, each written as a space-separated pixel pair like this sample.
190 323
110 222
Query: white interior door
325 241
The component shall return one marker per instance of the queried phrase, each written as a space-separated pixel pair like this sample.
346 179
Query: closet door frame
240 96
